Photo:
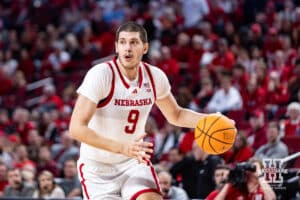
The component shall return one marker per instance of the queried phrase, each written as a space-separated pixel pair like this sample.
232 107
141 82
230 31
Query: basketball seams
202 131
217 142
211 125
214 137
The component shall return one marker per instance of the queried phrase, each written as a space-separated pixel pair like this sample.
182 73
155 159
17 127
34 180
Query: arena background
48 45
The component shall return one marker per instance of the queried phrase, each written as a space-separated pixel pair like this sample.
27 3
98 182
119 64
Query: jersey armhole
151 79
103 102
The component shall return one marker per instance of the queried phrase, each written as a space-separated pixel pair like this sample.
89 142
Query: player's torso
124 114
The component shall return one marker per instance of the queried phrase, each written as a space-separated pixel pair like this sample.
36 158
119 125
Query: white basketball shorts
126 180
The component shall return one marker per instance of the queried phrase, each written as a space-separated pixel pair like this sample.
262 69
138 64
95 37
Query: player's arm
79 130
177 115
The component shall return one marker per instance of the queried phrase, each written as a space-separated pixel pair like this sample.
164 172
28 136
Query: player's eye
122 41
134 42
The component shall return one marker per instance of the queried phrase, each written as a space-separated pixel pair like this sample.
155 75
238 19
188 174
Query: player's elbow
74 130
174 117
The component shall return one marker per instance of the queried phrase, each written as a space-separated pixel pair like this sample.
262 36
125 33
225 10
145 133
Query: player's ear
146 47
116 47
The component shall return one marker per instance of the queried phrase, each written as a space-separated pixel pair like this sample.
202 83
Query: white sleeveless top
122 106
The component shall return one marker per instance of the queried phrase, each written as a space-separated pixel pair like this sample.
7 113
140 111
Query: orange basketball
215 134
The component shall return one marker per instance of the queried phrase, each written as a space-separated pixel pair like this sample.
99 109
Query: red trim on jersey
122 77
155 177
83 181
107 99
142 192
151 79
140 77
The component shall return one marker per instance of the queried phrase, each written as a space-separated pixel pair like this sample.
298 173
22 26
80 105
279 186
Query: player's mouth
128 58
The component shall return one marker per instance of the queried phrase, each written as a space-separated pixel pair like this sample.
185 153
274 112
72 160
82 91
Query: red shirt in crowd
292 128
227 60
240 155
260 137
234 194
279 96
254 100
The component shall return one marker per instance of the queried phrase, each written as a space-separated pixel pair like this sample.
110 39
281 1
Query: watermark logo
273 170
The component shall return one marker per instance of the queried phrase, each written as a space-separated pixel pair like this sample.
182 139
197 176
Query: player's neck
129 72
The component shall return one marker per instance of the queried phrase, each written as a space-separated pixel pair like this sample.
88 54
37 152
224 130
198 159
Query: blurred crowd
238 57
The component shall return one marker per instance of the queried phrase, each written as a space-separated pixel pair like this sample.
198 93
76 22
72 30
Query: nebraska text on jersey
130 102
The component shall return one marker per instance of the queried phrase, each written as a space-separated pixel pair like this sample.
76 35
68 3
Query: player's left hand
219 113
139 149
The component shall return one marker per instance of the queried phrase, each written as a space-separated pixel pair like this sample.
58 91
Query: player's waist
98 156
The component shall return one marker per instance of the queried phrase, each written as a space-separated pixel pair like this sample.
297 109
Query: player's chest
133 97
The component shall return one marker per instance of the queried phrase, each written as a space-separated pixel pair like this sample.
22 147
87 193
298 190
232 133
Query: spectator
175 156
277 94
5 122
165 139
280 66
29 175
49 128
181 49
34 144
47 188
16 187
240 77
64 150
195 54
294 82
197 172
59 58
274 148
22 158
226 98
70 182
204 94
253 187
292 124
50 100
220 177
256 135
6 154
168 63
169 191
3 177
22 124
254 96
194 11
45 162
240 151
224 59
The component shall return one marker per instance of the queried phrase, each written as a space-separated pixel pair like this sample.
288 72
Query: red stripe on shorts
142 192
155 178
83 181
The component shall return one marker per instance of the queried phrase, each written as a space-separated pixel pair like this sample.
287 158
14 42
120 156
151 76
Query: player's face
130 49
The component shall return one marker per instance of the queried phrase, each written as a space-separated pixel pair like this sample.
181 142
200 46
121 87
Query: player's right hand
139 149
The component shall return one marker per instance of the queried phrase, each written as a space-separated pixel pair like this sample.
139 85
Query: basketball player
109 117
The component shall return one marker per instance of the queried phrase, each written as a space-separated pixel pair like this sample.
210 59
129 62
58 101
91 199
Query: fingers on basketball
215 133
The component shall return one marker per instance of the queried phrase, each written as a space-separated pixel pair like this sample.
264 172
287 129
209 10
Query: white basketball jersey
123 107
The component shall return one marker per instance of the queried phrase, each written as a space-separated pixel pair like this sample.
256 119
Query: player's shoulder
154 69
101 69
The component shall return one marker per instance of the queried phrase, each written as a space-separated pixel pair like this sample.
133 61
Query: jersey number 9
132 119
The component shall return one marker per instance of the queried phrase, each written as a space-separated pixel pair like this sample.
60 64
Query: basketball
215 134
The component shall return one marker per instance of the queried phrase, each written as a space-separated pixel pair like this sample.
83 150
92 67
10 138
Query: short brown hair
132 27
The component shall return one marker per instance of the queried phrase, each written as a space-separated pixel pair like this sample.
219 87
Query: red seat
293 143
